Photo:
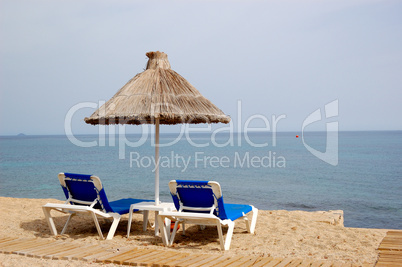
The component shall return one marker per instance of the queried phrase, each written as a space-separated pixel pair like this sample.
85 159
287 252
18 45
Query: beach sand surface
316 235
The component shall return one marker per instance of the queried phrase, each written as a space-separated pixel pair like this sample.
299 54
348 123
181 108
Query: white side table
146 207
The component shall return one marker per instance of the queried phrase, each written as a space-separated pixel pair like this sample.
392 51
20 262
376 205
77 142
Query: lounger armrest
85 209
197 218
189 215
193 218
74 208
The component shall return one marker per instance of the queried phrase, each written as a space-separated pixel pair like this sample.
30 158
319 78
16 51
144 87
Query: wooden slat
262 261
98 257
274 262
14 241
7 244
245 261
204 261
232 260
163 255
284 262
118 259
59 255
168 261
317 263
196 260
390 249
390 255
306 263
26 250
20 246
63 250
76 252
6 239
391 240
121 255
329 264
295 262
148 259
391 263
32 252
132 257
217 260
180 262
38 242
394 233
141 259
54 249
169 258
228 261
87 252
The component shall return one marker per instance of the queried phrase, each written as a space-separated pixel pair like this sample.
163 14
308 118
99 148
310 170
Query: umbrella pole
157 161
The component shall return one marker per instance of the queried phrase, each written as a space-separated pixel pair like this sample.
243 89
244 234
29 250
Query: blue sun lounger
201 202
85 194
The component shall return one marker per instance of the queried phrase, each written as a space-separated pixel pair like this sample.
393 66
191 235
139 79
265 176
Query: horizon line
194 132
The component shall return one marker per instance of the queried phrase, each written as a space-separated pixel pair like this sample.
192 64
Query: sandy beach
317 235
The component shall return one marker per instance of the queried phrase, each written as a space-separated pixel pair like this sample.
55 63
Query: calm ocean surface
366 184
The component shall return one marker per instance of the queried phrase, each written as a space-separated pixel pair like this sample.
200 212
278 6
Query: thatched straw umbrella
157 95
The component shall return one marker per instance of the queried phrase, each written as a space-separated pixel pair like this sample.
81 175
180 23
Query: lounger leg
164 235
253 220
247 221
145 220
49 220
229 235
130 219
173 234
67 222
225 245
168 222
221 242
116 220
97 225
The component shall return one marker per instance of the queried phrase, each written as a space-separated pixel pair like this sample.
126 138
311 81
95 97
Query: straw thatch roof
158 92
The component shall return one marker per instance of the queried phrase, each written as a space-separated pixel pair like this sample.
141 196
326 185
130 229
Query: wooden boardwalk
62 250
390 250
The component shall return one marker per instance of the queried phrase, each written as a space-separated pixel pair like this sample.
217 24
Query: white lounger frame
204 219
74 209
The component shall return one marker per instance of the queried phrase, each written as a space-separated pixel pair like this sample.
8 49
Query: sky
258 61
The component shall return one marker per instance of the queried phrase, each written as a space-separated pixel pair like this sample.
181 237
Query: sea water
270 171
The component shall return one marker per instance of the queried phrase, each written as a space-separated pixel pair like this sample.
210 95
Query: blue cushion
235 211
122 206
86 191
78 176
191 182
199 194
196 197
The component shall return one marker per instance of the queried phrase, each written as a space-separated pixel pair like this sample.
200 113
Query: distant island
21 135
